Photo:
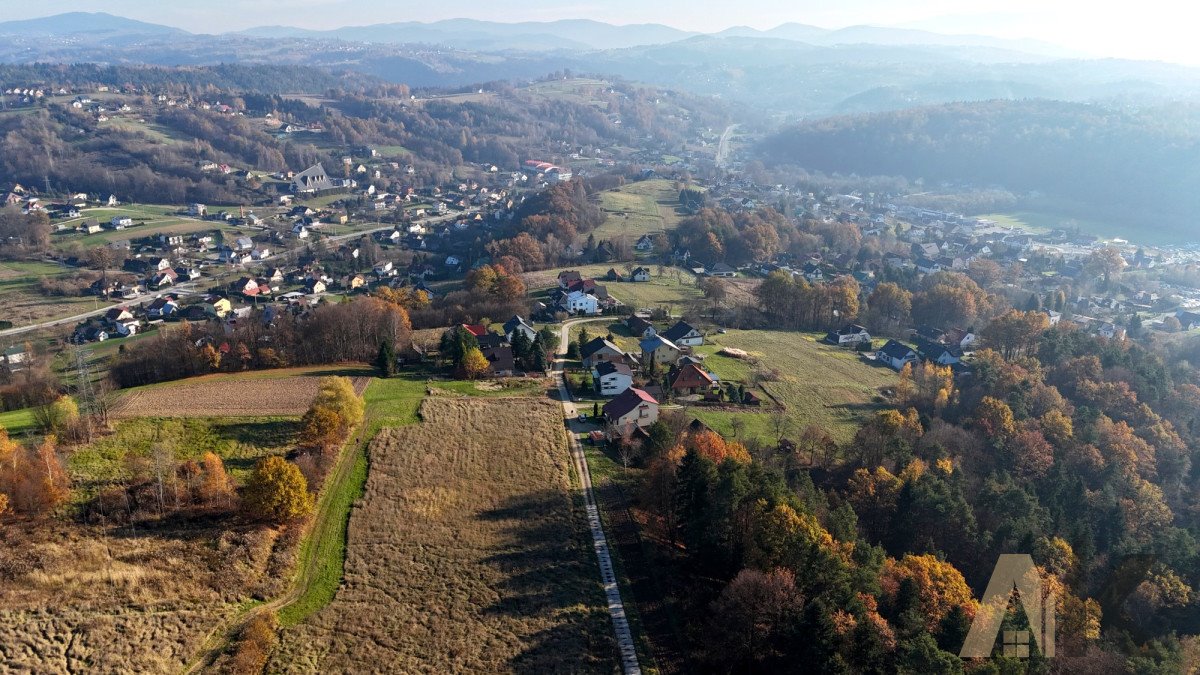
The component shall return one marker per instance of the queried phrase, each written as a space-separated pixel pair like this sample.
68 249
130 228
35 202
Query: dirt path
323 522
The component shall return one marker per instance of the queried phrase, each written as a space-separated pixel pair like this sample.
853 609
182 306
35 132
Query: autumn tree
474 364
750 621
276 491
216 488
888 308
57 416
939 586
1015 333
995 419
1032 454
33 478
1106 262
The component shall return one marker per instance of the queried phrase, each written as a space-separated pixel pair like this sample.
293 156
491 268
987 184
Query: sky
1147 29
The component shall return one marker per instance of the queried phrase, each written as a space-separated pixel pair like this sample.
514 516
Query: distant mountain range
526 36
791 71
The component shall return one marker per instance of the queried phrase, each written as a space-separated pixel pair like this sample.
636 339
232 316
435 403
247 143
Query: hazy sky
1149 29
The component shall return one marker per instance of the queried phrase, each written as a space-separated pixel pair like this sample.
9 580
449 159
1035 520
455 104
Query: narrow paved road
723 146
616 609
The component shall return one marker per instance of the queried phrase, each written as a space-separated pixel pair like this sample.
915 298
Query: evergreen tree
1034 303
385 363
537 358
522 347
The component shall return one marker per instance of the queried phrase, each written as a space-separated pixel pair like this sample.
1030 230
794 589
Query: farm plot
673 289
645 207
252 395
466 554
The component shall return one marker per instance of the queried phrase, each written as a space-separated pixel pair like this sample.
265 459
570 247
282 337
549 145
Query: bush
277 492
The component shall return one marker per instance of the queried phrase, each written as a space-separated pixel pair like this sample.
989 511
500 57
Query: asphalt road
612 591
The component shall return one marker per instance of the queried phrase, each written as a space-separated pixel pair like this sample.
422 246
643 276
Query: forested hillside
1134 166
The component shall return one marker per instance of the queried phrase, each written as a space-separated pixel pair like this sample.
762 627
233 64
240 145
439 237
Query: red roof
476 329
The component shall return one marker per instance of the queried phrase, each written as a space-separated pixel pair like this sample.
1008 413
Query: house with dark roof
598 350
516 323
896 354
568 277
849 335
720 270
632 408
610 379
639 327
941 354
311 180
500 359
684 334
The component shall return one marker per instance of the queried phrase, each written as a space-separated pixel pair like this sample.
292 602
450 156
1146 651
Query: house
941 354
848 335
644 243
166 277
312 180
896 355
957 337
610 379
684 335
197 210
812 271
568 277
120 222
243 244
162 308
518 324
250 287
1055 317
500 359
691 379
117 314
217 306
1189 320
599 350
315 287
1110 331
930 251
639 327
300 231
640 274
660 350
719 270
632 408
476 329
579 302
356 281
927 265
14 356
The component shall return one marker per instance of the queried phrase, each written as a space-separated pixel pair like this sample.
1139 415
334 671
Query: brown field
75 598
247 395
468 553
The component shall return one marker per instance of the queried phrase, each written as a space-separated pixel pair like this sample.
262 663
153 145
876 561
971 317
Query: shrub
277 492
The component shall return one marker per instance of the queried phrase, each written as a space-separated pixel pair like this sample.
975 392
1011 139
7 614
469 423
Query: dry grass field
258 394
468 553
80 599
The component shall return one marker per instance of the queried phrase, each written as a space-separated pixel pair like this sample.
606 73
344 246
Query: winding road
612 591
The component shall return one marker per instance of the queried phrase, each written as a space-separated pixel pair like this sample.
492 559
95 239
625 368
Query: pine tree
537 360
522 347
385 363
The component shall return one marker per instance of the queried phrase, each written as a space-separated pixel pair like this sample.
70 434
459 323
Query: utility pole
83 389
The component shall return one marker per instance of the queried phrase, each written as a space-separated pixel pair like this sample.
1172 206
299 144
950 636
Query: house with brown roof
500 359
640 328
632 408
691 379
568 277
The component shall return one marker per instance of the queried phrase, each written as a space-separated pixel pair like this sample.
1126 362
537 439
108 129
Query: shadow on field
550 572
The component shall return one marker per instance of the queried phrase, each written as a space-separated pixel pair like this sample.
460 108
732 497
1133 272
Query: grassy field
1045 221
17 422
25 303
240 442
817 383
465 554
645 207
673 290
